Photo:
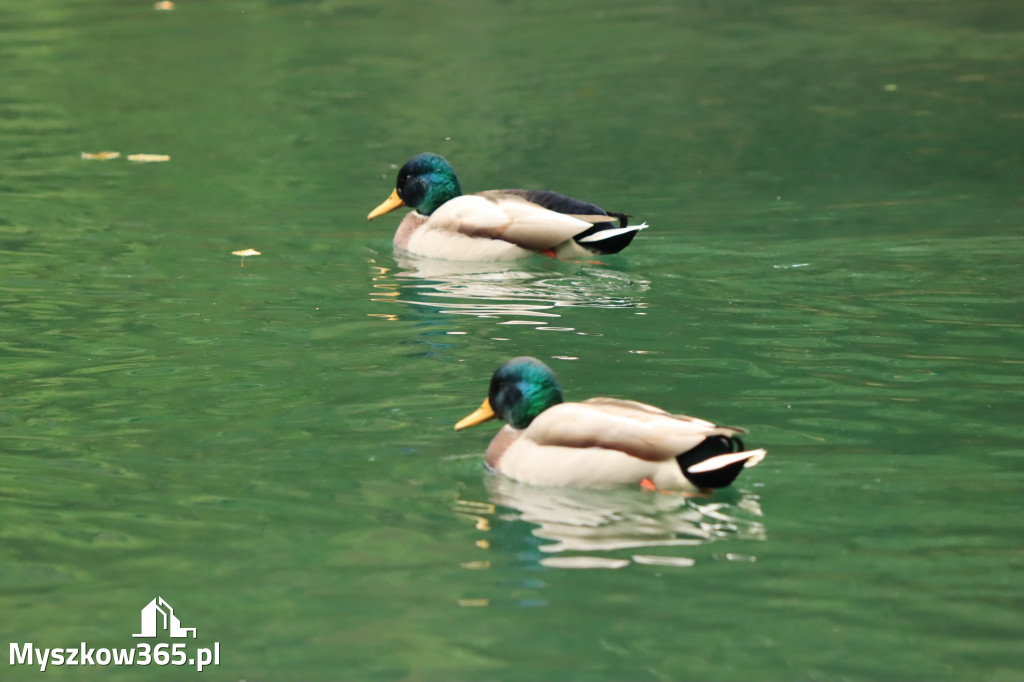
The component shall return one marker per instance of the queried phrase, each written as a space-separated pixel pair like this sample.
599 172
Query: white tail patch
608 234
749 458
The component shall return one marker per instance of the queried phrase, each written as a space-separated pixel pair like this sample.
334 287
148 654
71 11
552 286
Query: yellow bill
390 204
482 414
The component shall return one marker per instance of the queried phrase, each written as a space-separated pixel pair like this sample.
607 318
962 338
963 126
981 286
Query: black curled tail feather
623 218
712 446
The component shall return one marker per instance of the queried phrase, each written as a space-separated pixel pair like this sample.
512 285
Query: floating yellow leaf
101 156
474 602
246 252
148 158
165 5
470 506
476 565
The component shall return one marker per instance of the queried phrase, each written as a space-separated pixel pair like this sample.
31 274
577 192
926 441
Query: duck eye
412 190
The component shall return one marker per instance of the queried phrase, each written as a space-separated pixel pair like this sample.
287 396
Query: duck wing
609 232
639 430
561 203
508 217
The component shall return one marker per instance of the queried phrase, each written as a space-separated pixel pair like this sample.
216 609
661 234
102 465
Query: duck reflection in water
611 521
502 289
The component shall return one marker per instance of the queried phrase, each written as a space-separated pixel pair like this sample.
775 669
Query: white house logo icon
170 621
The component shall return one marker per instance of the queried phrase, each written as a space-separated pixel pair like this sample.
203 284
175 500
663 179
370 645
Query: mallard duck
498 224
601 442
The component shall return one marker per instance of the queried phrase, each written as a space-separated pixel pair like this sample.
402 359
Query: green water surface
834 262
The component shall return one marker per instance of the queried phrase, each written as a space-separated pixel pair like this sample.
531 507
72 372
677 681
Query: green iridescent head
425 182
520 390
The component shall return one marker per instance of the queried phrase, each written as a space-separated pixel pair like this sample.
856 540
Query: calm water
834 262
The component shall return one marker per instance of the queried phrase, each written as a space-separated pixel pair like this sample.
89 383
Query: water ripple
605 524
495 290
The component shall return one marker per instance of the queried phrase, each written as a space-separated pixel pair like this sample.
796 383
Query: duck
501 224
601 442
